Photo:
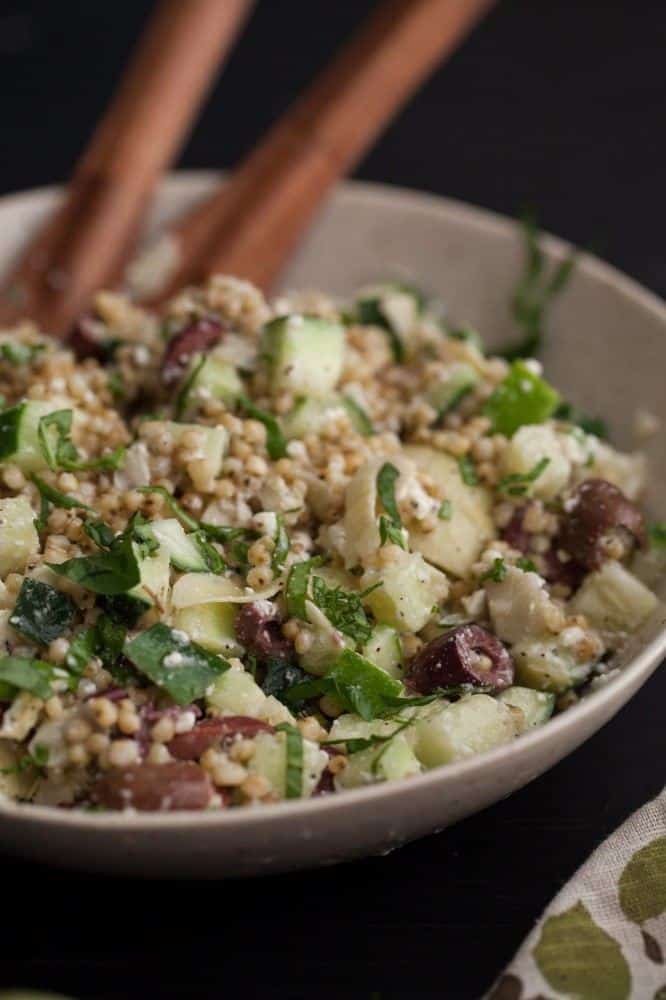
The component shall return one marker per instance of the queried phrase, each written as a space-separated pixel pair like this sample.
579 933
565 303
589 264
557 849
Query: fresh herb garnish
359 418
534 294
167 657
296 591
57 498
276 442
36 760
357 744
591 425
522 398
41 613
369 313
281 549
657 535
389 532
81 650
445 512
182 399
101 534
526 565
27 674
294 752
497 571
280 675
360 686
218 532
390 524
114 571
59 451
516 484
20 354
343 609
468 471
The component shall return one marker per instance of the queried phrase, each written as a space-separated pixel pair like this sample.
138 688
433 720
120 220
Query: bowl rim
640 666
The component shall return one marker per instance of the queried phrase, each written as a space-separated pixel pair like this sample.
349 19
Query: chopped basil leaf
497 571
534 294
20 354
53 434
214 561
296 590
101 534
445 512
280 675
294 770
386 479
167 657
359 685
57 498
182 399
123 609
218 532
112 572
522 398
81 650
369 313
516 483
359 418
389 532
467 471
27 675
281 549
526 565
41 613
657 535
343 609
276 442
358 744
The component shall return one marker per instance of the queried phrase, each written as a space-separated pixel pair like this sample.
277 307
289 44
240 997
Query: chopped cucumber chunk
614 600
236 693
19 435
390 761
409 589
536 706
384 649
394 307
216 378
545 665
184 553
470 726
305 354
214 443
309 415
211 626
270 761
460 379
155 577
18 536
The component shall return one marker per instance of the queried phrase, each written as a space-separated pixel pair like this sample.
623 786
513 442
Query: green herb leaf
468 471
358 744
526 565
27 674
517 483
167 657
182 399
389 532
53 434
280 676
497 571
218 532
296 590
57 498
359 418
123 609
534 294
343 609
41 613
386 479
294 770
360 686
101 534
81 650
20 354
522 398
657 535
281 550
445 512
276 442
112 572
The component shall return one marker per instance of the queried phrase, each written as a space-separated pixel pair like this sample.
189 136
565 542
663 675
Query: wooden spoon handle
82 247
250 226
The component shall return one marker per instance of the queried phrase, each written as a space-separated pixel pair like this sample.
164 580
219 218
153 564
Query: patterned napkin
603 937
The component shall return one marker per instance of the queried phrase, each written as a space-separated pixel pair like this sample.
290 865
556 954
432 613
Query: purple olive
198 336
154 787
260 632
514 534
597 513
466 655
190 746
88 338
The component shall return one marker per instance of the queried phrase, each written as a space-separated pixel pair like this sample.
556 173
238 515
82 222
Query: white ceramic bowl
607 353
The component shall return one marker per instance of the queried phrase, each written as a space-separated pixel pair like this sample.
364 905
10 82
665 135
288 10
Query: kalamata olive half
595 513
466 655
190 746
259 630
198 336
514 533
89 338
154 787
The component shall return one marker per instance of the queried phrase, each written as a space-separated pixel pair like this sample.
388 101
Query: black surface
554 104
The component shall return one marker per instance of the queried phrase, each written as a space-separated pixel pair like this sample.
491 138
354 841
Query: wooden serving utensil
250 226
84 245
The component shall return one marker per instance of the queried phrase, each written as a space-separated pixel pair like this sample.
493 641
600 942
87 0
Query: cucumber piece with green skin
390 761
214 442
18 536
309 415
305 354
155 571
460 379
536 706
613 599
211 626
216 378
19 435
384 649
235 692
470 726
270 761
394 307
183 552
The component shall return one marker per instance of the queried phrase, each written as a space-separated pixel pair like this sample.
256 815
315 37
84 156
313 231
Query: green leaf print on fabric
642 885
579 959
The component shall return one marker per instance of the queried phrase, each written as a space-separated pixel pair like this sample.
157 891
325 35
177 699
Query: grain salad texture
255 551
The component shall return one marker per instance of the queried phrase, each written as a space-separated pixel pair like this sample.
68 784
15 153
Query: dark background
553 104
